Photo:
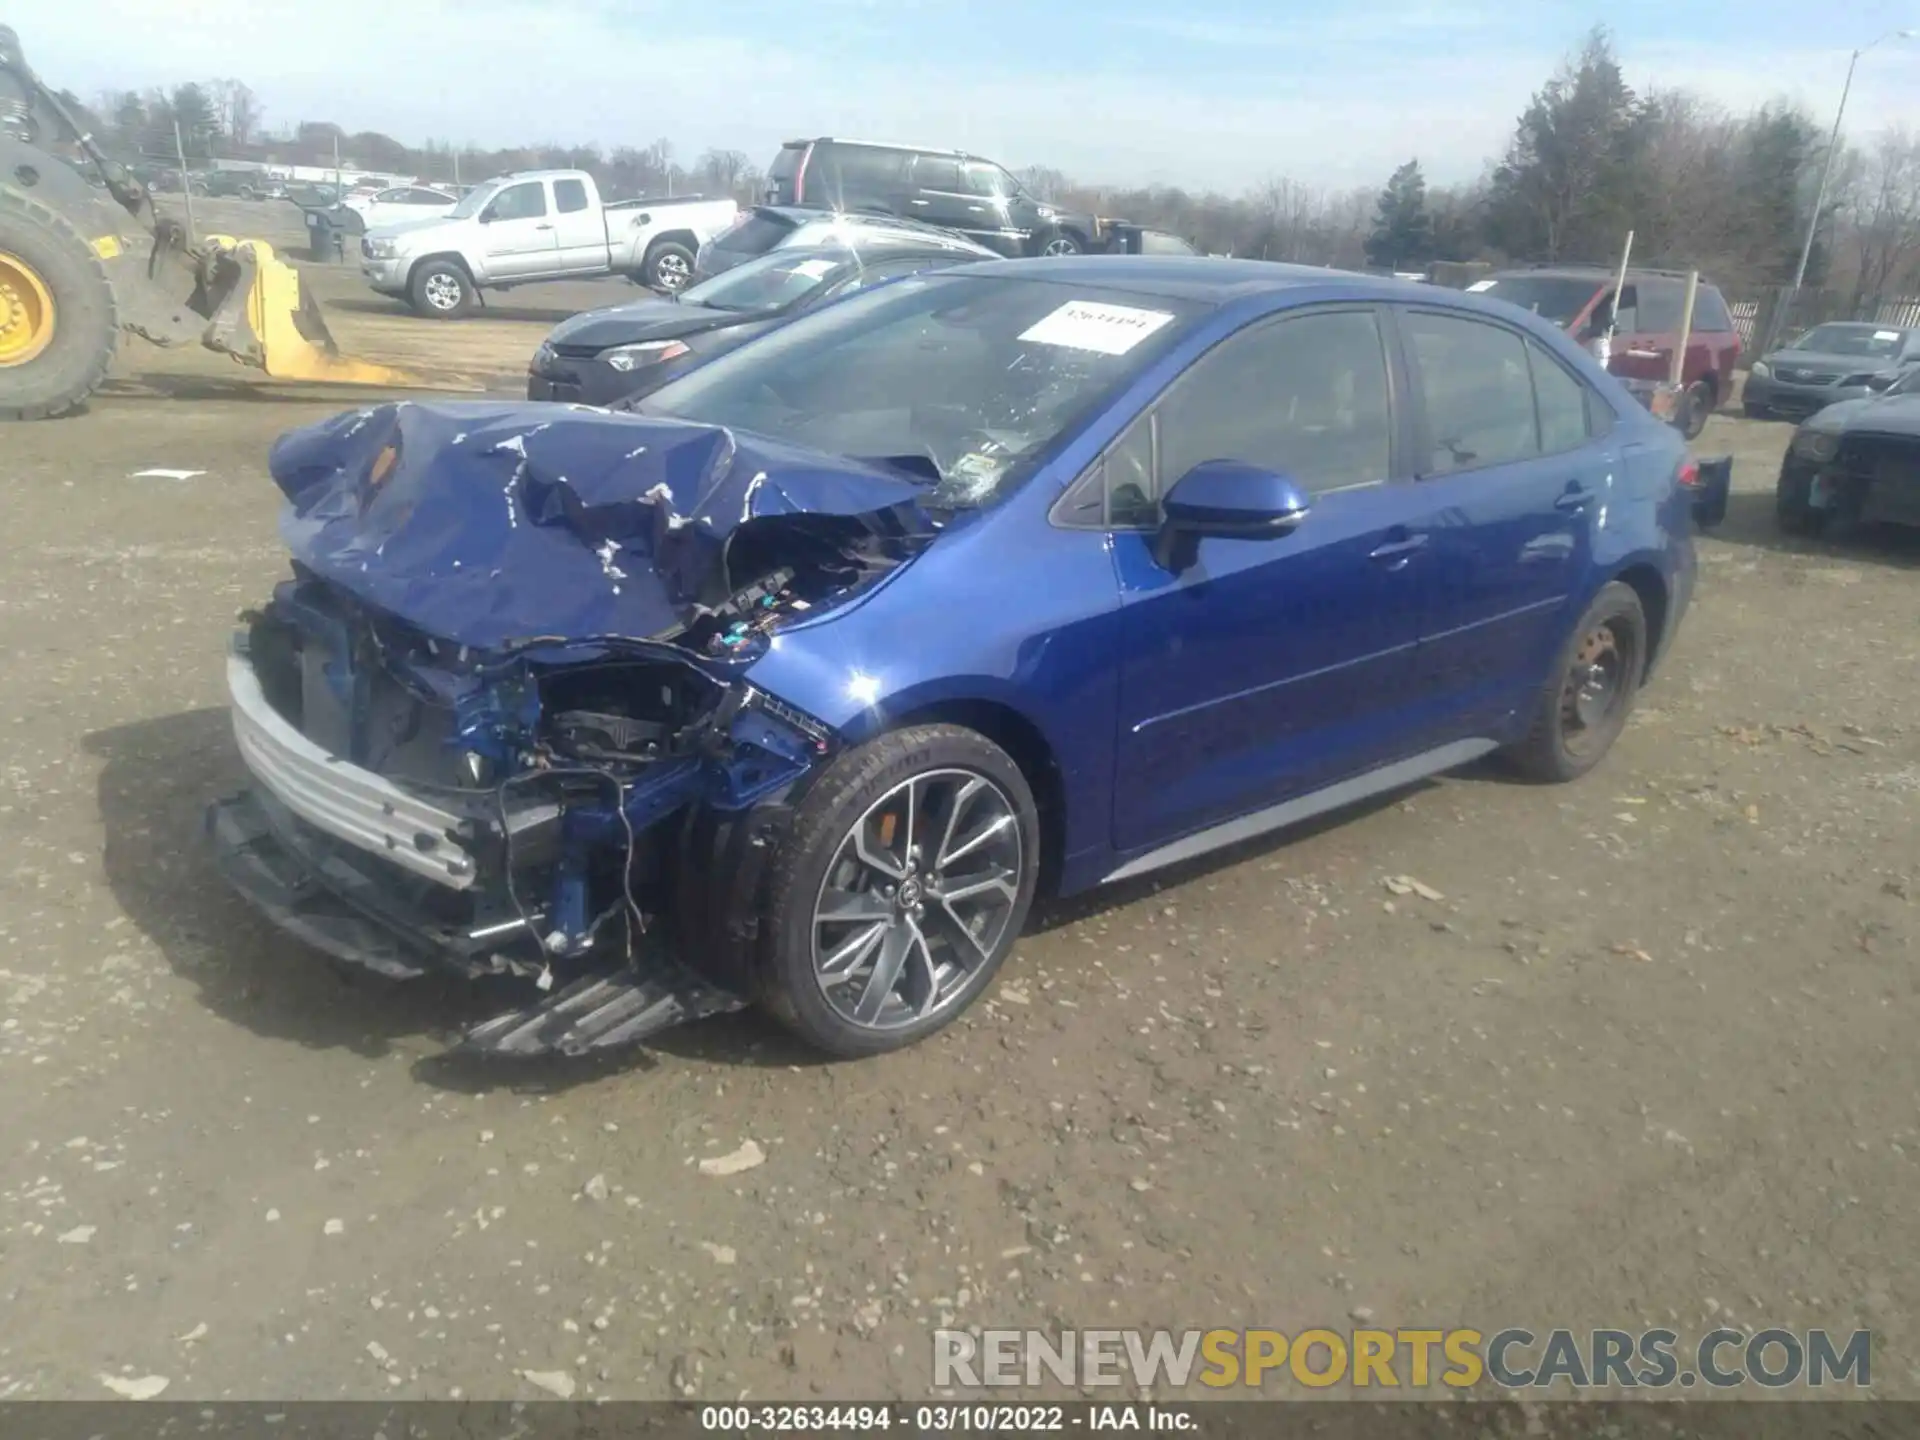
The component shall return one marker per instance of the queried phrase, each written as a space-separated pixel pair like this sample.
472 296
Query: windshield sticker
1886 334
1477 286
814 269
1103 329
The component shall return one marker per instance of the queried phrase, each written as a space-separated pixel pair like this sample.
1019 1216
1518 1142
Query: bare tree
1883 205
238 110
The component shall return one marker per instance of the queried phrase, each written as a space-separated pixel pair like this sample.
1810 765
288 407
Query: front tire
1062 242
668 267
904 883
440 290
58 326
1584 705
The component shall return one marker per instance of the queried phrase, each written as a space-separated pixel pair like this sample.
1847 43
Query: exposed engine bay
498 719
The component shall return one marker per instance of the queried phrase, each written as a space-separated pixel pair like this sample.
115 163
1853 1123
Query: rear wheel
905 881
1700 406
57 323
1584 705
1062 242
668 267
440 290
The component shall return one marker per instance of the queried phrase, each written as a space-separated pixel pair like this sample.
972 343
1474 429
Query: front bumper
581 379
383 879
1797 401
1873 479
387 276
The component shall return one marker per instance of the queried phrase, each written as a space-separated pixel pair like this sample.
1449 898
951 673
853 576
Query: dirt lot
1649 1060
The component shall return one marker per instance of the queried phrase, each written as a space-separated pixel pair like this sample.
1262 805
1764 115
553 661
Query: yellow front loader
85 254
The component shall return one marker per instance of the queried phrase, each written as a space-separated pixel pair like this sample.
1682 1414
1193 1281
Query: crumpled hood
491 523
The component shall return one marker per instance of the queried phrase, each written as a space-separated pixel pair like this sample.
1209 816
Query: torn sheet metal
489 524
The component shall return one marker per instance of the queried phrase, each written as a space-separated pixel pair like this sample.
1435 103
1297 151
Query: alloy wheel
917 899
443 292
671 273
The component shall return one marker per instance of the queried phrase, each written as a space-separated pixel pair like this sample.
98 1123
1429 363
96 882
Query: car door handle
1576 499
543 227
1396 553
922 202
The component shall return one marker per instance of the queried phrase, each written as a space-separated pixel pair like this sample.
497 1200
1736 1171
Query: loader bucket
264 317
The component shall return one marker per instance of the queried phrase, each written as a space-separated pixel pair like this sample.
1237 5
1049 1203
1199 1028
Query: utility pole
1826 175
186 185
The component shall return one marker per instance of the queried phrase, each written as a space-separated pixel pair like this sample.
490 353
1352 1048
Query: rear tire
1583 706
668 267
1700 406
1062 242
58 324
943 889
440 290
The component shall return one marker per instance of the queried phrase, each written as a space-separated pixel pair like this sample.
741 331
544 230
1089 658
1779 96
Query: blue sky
1220 93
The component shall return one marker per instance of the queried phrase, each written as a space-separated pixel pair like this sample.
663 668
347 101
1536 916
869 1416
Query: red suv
1579 298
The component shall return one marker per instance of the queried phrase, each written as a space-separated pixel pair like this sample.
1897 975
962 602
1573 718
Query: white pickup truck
532 226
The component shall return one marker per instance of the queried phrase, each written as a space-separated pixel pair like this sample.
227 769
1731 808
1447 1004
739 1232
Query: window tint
1562 400
1477 390
931 172
1306 396
988 180
520 202
1131 490
569 196
393 197
428 197
757 234
863 174
1710 310
1660 305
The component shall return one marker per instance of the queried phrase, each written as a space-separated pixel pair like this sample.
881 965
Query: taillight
1689 474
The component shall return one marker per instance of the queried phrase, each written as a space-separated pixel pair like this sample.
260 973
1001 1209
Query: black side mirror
1227 500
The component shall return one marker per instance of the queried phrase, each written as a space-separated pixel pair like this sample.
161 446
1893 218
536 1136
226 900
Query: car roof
1861 325
879 225
1599 274
1206 278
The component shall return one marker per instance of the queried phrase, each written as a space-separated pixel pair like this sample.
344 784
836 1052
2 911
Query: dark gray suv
948 188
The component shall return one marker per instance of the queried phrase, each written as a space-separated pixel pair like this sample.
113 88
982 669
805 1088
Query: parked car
234 184
628 351
1831 363
1858 460
1579 299
766 228
798 684
397 204
534 226
957 191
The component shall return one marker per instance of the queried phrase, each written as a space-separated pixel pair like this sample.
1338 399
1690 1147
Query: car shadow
156 779
1750 521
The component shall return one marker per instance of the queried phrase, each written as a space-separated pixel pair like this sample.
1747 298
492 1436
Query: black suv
948 188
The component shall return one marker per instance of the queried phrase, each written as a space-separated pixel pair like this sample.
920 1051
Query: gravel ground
1647 1059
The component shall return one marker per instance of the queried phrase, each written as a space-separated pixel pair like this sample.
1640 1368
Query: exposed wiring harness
636 920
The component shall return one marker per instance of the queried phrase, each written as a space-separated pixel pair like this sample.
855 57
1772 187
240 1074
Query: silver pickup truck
537 225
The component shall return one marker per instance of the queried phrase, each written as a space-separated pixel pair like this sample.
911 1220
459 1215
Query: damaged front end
499 719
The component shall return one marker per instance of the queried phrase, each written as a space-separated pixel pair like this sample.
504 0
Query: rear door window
936 172
861 174
1563 401
1477 392
570 196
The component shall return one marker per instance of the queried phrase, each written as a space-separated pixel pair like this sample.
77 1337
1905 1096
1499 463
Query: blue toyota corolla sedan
799 685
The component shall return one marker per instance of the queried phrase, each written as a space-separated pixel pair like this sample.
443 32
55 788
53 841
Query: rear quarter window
1710 310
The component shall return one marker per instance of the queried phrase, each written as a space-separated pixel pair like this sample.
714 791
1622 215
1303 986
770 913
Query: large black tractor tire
58 326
